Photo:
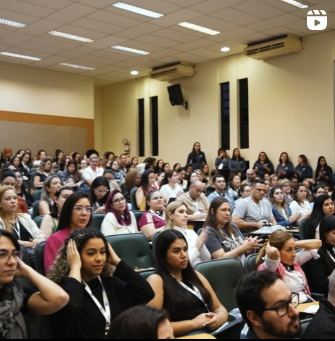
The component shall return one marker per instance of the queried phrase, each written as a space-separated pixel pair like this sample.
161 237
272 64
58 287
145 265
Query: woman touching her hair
84 268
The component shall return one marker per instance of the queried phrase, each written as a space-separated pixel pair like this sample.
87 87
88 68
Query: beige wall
291 101
37 91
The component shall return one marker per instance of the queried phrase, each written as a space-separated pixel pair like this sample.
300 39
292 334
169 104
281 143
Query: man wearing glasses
268 307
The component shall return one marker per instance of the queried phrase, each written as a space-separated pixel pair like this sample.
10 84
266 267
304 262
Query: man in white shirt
92 172
250 214
219 183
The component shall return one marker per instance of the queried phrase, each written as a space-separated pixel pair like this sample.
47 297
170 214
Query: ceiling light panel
130 50
198 28
295 3
138 10
71 37
81 67
21 56
11 23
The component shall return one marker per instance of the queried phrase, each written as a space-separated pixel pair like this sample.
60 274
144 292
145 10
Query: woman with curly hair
84 268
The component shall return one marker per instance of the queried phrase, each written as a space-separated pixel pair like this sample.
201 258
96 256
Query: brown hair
275 204
211 218
296 192
278 240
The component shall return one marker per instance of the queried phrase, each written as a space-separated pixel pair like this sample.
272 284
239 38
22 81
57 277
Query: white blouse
168 192
194 254
111 226
303 208
294 279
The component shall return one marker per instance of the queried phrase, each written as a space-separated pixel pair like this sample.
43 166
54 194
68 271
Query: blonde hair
172 209
272 177
3 191
278 240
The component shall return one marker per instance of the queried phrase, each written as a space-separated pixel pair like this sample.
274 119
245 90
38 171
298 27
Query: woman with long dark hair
184 294
234 186
119 220
323 172
222 163
301 204
76 215
319 271
85 269
263 165
43 171
197 158
303 170
99 193
323 206
71 176
171 187
237 163
146 185
225 239
25 167
159 166
285 168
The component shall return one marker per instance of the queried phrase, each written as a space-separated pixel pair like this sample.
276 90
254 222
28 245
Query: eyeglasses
283 307
81 210
119 201
102 192
5 256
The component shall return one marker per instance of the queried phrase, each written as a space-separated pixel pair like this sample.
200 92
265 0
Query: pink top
54 243
152 218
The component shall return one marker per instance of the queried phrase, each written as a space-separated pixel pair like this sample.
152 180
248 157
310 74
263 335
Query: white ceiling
240 22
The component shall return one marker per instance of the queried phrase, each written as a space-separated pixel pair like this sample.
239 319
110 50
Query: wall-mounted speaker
176 95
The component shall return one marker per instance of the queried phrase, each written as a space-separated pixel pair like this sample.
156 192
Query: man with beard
268 307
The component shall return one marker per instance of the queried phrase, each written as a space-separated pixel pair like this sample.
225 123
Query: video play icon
317 20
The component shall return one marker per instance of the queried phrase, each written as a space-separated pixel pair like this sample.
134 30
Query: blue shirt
214 195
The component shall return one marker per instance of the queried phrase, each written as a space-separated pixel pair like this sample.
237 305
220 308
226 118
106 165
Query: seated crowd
191 215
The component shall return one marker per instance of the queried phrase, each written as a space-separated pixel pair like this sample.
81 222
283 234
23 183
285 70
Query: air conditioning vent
275 48
173 72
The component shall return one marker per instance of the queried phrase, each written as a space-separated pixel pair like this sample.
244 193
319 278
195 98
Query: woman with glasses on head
197 158
76 215
285 186
21 225
99 194
16 300
153 221
49 224
118 220
100 285
279 255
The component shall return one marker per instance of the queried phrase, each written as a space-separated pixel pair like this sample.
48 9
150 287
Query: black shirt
81 318
323 324
25 236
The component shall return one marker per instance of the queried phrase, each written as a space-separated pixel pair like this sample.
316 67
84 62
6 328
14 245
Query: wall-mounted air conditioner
173 72
274 48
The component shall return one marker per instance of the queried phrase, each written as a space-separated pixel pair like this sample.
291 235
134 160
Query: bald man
197 203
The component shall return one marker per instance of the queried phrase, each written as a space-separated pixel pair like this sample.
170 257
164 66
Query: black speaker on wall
176 95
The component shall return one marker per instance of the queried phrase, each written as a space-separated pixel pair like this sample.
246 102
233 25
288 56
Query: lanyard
104 311
259 208
16 228
157 215
194 292
331 256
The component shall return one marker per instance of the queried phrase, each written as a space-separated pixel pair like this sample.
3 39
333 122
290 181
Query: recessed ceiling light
134 73
296 3
130 50
70 36
199 28
21 56
225 49
138 10
81 67
12 23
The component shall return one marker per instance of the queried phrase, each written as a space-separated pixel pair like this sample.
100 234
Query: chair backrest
250 263
133 199
147 273
25 258
39 258
97 220
134 249
223 275
37 195
38 220
138 215
36 211
304 326
303 229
